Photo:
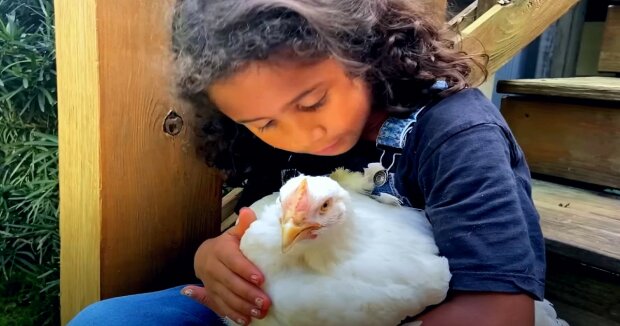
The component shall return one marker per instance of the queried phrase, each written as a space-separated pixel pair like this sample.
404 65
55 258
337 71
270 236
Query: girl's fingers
237 263
228 312
218 305
234 283
237 303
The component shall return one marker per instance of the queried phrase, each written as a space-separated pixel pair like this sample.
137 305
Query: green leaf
29 241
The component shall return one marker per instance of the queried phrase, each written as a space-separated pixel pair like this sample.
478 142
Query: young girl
306 86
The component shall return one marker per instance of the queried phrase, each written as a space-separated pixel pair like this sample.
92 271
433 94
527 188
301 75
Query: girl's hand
231 281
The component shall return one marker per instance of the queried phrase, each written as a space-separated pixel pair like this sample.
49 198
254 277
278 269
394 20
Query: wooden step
596 88
580 224
568 138
582 295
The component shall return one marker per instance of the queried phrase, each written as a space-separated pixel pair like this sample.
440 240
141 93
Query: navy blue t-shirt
462 165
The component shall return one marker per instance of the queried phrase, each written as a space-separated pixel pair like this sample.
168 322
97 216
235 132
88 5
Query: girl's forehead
279 73
266 83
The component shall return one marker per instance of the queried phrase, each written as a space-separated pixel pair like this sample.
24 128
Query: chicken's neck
330 248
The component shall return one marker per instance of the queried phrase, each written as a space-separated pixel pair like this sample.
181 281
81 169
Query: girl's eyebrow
295 99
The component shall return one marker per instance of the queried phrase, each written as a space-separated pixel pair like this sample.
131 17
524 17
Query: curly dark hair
395 45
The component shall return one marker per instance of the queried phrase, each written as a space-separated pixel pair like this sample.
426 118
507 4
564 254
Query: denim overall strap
393 133
391 140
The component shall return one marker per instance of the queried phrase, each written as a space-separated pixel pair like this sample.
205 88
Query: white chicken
329 262
337 257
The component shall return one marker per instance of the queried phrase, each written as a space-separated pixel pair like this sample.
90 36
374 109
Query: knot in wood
173 124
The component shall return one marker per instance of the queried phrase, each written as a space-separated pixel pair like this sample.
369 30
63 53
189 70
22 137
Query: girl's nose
317 133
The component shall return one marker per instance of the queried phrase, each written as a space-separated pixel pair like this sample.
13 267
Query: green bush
29 241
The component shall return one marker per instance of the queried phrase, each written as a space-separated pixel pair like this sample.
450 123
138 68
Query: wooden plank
580 224
577 316
229 202
595 88
464 18
582 295
484 6
610 49
229 217
135 202
506 29
78 110
569 140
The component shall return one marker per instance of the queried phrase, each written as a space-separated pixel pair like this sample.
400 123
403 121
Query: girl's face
303 108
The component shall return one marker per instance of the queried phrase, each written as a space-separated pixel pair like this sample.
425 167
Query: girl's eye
314 106
269 124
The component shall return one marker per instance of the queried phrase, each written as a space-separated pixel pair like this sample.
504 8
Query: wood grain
503 30
569 140
228 216
580 224
159 199
595 88
609 59
79 153
135 202
229 202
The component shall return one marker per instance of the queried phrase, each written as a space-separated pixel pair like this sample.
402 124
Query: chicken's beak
294 222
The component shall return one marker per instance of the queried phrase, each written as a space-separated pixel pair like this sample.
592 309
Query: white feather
545 315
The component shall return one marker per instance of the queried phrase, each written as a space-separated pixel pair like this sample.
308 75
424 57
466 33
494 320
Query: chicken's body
369 263
377 267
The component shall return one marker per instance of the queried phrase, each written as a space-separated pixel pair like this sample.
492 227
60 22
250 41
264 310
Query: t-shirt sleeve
475 203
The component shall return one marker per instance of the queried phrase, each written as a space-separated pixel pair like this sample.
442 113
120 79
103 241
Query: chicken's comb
301 196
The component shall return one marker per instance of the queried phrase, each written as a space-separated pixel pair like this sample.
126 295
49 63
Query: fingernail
254 279
187 292
241 321
255 312
259 302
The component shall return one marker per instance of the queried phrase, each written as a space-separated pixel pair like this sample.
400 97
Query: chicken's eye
326 205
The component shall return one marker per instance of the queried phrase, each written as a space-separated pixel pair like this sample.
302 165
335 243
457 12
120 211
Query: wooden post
504 30
135 202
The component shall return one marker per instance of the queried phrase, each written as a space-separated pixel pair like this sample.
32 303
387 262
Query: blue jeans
167 307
